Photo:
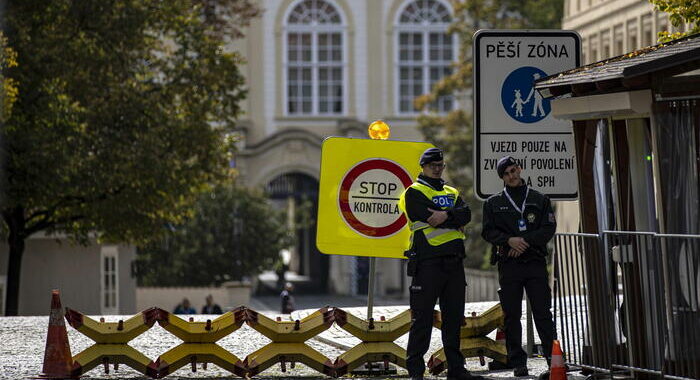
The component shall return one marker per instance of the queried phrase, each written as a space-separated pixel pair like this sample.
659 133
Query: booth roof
630 71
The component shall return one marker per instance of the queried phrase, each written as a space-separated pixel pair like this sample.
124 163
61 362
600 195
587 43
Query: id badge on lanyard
522 226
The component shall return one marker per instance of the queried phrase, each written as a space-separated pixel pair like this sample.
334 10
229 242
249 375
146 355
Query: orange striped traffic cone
557 369
500 336
57 357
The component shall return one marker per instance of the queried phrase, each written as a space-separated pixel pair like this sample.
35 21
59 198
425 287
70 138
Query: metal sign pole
370 287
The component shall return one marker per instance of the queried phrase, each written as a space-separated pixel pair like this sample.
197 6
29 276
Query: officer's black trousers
513 277
441 278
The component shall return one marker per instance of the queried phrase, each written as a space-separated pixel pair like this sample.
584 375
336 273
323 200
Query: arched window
425 52
314 60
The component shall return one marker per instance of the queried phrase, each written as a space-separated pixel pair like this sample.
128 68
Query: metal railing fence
629 301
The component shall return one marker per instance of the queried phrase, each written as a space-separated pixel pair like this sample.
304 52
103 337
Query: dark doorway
298 194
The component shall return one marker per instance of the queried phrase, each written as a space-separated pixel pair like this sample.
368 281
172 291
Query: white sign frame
493 124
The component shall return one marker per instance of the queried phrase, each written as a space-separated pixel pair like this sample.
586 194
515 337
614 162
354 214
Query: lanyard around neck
521 210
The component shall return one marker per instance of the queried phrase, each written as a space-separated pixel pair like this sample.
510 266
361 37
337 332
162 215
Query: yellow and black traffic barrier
473 340
111 340
199 342
287 344
377 340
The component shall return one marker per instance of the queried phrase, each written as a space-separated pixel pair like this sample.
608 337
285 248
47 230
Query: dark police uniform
501 221
435 263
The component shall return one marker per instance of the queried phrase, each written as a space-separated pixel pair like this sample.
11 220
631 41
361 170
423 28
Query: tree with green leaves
234 233
453 131
120 118
680 12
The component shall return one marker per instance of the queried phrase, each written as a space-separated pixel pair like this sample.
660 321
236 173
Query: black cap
503 164
430 155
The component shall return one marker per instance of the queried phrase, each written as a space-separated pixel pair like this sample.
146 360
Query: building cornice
282 137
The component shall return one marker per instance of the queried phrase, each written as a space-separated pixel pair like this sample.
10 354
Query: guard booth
629 281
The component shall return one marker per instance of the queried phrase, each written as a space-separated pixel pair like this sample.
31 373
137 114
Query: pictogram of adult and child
522 108
519 102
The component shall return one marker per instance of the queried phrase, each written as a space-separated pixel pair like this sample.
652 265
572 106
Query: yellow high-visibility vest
445 200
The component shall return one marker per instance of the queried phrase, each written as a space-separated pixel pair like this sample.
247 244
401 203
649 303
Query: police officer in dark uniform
436 216
519 222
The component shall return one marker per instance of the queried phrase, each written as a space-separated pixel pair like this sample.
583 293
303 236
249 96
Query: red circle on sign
344 201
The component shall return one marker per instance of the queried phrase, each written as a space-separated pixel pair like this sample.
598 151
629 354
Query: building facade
609 28
320 68
94 279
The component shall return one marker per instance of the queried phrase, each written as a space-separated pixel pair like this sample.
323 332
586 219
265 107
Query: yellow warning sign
361 181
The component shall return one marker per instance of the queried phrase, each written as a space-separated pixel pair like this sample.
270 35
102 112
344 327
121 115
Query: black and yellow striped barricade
377 340
111 340
473 339
288 339
199 342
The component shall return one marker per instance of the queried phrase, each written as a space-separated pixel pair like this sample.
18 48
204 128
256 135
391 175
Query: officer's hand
513 253
517 243
437 218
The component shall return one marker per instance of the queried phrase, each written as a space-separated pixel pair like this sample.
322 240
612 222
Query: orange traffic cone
57 357
500 336
557 369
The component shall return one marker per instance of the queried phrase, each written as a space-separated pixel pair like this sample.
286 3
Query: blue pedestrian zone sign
520 99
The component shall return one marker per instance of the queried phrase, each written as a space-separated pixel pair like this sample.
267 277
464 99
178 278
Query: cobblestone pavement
23 341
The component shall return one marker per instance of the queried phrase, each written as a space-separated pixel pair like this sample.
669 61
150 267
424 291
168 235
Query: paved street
23 338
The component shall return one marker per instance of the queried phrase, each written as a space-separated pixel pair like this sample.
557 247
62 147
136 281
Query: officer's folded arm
417 206
458 216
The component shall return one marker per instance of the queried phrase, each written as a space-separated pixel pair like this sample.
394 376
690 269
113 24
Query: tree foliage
8 89
234 233
454 131
119 120
680 12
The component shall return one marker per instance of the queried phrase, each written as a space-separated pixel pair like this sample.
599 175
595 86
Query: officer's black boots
520 372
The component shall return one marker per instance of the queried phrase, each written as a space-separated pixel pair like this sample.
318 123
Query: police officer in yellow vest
436 215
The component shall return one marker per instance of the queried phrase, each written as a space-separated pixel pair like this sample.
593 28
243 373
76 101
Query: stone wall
230 295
